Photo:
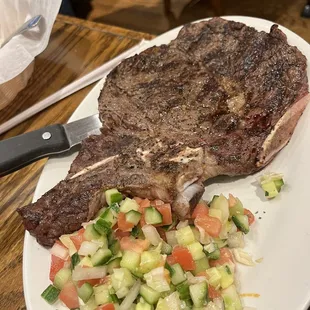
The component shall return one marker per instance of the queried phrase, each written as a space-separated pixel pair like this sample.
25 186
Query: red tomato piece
94 282
250 216
142 219
165 211
56 264
183 256
78 239
145 203
170 260
211 225
106 307
213 293
137 199
136 245
123 224
119 234
225 257
200 210
69 296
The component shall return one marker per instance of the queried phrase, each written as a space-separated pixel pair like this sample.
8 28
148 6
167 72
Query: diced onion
204 237
84 225
243 257
80 273
122 292
236 240
151 234
194 280
212 306
131 296
171 237
88 248
219 303
233 228
60 251
182 224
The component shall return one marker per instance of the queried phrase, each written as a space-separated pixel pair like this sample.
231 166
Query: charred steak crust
222 98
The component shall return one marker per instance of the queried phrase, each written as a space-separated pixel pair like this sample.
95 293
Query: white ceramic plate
281 236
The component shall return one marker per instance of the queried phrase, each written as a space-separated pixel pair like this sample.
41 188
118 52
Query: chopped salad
136 255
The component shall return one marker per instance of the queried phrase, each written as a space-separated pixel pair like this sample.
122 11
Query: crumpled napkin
17 54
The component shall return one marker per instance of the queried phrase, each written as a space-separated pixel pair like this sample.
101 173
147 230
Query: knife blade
20 151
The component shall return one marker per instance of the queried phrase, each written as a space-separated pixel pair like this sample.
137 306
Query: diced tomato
56 264
162 233
201 209
250 216
137 199
232 201
123 224
183 256
211 225
213 293
145 203
78 239
165 211
137 245
142 219
170 260
106 307
119 234
69 296
225 257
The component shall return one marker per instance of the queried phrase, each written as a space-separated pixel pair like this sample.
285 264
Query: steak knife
20 151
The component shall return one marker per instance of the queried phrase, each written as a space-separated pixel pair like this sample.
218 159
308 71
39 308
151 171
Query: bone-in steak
221 99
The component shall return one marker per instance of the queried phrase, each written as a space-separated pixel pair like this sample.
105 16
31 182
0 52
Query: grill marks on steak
221 99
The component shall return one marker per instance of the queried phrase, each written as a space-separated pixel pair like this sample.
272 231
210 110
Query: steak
220 99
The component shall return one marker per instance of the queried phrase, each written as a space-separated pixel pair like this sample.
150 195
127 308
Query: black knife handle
19 151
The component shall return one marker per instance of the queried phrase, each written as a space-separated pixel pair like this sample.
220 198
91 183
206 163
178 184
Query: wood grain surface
75 48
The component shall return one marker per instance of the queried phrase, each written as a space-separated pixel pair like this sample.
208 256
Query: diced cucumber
91 233
133 217
102 241
109 216
137 232
101 257
220 243
221 203
214 198
114 298
144 306
62 277
214 276
178 274
130 260
68 243
231 298
162 305
242 222
103 227
122 292
237 208
171 237
85 262
212 251
183 289
115 263
75 259
227 278
270 189
279 183
128 205
195 232
165 248
199 293
90 305
115 247
121 277
171 270
102 295
185 236
152 216
201 265
150 295
149 261
85 292
113 195
217 213
196 250
50 294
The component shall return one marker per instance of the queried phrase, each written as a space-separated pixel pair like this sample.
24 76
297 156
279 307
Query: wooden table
75 48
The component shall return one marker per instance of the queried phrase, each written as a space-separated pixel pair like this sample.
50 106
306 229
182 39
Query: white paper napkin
16 55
